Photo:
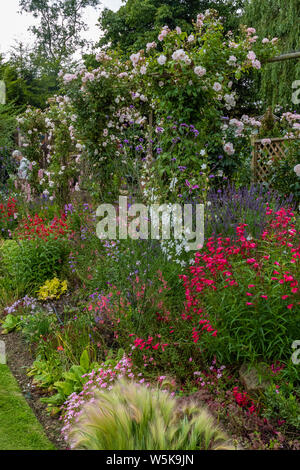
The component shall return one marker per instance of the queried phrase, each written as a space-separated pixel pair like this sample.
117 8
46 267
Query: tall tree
58 34
139 21
277 18
25 84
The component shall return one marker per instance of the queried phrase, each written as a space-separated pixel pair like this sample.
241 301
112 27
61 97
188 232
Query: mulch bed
19 359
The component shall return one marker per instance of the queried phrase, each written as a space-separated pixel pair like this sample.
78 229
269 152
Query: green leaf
84 360
64 388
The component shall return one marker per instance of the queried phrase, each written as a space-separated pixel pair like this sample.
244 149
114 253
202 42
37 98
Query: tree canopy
58 34
139 21
25 83
277 18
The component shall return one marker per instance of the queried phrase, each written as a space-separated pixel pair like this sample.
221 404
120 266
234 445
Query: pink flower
251 55
256 64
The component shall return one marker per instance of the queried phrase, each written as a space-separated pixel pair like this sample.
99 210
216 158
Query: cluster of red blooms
8 210
147 344
214 264
243 400
37 228
284 231
281 227
208 265
277 367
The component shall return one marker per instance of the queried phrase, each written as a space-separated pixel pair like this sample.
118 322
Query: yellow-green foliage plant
134 417
53 289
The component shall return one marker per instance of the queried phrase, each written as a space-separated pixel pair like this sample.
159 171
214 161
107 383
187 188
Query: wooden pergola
287 56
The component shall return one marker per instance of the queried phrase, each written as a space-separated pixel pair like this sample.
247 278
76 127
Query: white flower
135 58
265 41
217 86
191 38
297 170
200 71
230 101
180 55
232 60
162 59
228 148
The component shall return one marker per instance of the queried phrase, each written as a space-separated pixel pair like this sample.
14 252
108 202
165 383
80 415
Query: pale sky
13 26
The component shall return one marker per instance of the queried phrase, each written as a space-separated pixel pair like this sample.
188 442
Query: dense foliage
138 22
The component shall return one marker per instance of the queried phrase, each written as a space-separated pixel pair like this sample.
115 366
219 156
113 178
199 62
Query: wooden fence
264 152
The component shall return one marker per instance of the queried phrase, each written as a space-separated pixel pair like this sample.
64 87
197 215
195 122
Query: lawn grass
19 428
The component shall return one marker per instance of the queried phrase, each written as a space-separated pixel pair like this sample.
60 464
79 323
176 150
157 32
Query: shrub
282 402
134 417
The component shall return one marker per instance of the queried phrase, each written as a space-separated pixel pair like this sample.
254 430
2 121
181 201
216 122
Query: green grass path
19 428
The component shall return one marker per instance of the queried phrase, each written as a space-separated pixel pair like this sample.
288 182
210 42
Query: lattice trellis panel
265 151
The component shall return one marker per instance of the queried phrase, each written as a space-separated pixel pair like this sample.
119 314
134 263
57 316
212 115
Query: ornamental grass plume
135 417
